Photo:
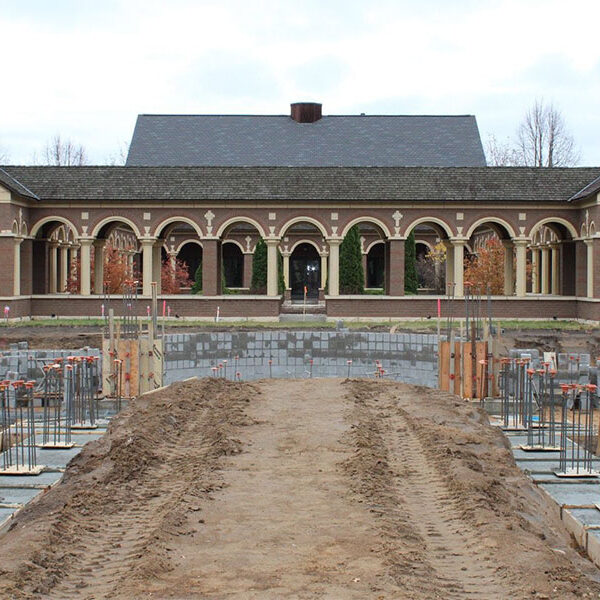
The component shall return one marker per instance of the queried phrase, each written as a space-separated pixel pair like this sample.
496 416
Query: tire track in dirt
452 548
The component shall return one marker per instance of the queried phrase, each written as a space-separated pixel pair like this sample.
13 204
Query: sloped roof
15 186
588 190
337 141
393 184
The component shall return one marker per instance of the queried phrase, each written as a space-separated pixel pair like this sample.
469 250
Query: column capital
86 241
521 242
99 243
148 241
456 241
588 241
507 243
270 241
53 243
334 241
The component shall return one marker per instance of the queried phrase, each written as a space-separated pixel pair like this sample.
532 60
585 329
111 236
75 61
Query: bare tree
543 140
500 154
4 155
63 153
119 157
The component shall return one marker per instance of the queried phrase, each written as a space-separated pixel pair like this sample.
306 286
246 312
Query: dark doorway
191 255
305 270
376 266
233 265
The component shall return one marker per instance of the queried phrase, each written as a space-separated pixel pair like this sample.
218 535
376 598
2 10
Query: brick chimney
306 112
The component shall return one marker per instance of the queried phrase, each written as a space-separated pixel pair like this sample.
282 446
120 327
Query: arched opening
434 256
233 265
238 243
54 259
176 275
115 258
490 266
554 257
190 254
305 272
375 271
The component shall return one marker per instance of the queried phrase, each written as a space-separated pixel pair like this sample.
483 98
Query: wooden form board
468 373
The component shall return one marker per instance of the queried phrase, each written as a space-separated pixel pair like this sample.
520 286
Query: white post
545 270
286 269
323 269
147 252
64 267
521 278
272 267
334 266
84 266
459 265
449 263
555 268
535 271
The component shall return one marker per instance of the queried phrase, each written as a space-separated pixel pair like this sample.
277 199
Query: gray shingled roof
394 184
15 186
346 141
588 190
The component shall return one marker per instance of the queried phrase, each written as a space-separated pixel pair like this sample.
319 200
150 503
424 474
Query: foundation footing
83 426
56 446
23 470
577 474
540 448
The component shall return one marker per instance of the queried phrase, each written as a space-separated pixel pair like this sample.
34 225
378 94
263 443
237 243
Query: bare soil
319 488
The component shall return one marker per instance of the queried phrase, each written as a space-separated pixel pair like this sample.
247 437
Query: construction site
459 460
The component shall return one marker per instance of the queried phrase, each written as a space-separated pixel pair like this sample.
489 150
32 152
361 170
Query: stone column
272 245
590 267
323 256
459 266
286 269
211 266
509 272
545 269
147 265
52 266
64 267
99 266
394 267
521 275
17 266
554 248
157 264
334 266
84 266
449 264
535 271
247 280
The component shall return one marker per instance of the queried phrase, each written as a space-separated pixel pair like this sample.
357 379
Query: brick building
204 188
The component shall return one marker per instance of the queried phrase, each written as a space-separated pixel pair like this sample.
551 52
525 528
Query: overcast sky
86 68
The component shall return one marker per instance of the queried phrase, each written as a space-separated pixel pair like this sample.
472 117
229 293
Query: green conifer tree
197 285
410 268
259 268
352 275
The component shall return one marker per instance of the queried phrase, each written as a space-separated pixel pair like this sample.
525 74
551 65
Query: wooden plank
444 366
467 375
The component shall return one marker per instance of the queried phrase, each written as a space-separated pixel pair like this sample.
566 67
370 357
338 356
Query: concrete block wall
411 358
19 362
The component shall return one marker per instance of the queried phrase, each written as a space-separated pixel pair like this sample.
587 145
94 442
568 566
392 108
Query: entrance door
305 270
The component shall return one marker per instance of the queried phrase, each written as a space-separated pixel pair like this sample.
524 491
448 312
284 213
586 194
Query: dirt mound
106 525
460 518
